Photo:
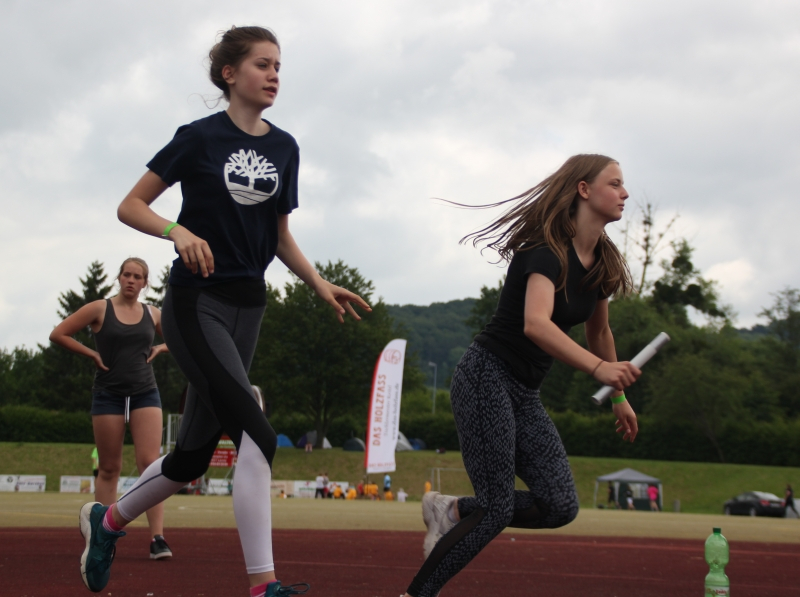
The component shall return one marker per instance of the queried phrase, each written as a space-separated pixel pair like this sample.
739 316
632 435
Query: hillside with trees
714 392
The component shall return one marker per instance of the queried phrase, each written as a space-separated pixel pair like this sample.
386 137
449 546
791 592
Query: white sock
252 506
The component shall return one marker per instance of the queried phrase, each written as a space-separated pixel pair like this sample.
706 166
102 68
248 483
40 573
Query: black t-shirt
505 336
234 185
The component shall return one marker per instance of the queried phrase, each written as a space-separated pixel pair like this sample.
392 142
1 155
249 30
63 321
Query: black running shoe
159 548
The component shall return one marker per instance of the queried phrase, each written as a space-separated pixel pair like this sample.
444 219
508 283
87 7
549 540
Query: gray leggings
503 430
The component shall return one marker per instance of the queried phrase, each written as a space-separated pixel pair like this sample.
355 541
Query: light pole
433 399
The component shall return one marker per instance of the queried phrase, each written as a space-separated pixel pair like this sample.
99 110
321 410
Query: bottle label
718 591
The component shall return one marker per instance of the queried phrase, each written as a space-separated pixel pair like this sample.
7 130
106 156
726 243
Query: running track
208 563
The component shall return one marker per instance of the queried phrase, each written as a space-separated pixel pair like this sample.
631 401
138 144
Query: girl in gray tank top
125 350
124 389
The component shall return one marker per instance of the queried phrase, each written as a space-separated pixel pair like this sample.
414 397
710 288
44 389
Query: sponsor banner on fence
287 487
225 454
384 409
8 482
31 483
305 489
125 483
76 484
219 487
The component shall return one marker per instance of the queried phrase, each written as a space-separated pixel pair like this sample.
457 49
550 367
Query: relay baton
647 353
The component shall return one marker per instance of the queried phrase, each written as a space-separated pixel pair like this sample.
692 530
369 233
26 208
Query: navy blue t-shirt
505 335
234 185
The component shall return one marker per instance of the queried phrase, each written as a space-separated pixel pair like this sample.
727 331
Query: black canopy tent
631 477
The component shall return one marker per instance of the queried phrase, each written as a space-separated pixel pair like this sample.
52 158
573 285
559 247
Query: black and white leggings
213 342
503 430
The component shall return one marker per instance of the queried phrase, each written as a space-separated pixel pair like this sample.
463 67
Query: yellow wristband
168 228
618 399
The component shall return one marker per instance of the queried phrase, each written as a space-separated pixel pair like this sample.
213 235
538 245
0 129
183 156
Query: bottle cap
717 530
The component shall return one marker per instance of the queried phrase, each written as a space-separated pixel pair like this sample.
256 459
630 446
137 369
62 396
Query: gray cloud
395 103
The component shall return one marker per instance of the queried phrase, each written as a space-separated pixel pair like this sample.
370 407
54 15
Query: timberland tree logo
250 178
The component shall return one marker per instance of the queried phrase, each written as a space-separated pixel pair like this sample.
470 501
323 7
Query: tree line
709 377
316 373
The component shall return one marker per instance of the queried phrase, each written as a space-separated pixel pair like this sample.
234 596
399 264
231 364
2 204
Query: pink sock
109 523
259 590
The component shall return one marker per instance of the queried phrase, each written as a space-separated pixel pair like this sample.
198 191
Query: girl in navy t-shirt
238 176
562 270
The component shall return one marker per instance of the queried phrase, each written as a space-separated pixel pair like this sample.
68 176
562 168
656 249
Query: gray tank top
124 349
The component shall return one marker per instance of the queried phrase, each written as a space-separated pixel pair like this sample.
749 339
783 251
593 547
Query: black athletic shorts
106 403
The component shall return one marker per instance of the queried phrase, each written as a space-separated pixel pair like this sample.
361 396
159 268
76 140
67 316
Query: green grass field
701 487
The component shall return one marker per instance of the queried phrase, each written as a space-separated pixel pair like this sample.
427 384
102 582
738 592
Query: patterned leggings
503 429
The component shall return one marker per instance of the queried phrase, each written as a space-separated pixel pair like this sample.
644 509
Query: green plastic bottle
717 557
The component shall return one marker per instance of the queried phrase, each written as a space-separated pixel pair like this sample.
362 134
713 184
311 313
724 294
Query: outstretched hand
626 420
340 299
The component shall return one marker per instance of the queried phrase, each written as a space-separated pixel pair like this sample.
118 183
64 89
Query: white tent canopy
403 445
631 477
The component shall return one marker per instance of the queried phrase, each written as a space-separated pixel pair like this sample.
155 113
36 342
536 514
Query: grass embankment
701 487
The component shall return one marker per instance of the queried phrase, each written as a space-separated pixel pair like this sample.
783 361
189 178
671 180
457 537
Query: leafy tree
642 236
307 361
157 290
778 354
682 286
418 402
702 388
436 333
67 377
484 308
20 376
784 317
94 288
169 377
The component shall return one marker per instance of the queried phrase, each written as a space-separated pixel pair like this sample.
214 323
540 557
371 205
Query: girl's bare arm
539 327
135 211
291 255
88 315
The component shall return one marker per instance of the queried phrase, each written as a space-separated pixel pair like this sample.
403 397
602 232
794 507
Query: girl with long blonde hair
562 270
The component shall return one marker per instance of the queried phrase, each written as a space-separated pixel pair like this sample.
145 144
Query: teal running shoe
274 589
100 546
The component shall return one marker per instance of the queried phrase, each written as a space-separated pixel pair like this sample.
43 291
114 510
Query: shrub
30 424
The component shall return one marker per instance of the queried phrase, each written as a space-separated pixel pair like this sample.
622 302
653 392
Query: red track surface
45 563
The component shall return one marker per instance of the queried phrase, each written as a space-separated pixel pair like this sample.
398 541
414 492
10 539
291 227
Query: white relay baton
647 353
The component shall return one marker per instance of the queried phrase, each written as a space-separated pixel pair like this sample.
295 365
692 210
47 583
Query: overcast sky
393 103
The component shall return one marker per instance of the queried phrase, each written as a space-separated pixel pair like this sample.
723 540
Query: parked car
756 503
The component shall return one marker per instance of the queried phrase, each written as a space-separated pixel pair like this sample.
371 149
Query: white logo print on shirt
251 166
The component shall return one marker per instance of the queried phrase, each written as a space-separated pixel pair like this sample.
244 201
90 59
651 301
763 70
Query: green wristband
618 399
168 228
